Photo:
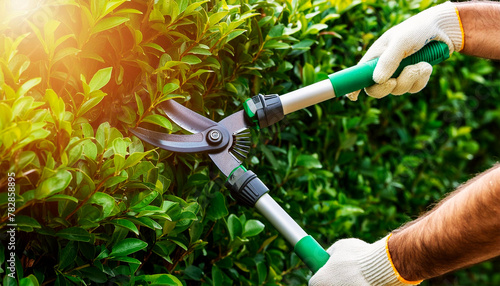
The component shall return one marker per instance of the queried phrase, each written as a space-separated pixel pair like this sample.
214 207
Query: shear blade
173 142
185 117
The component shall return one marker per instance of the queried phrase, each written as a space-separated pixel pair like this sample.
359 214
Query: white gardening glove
439 23
357 263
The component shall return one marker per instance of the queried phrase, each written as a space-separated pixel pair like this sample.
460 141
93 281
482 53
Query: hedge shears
227 142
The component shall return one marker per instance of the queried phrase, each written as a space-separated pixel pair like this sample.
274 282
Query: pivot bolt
214 137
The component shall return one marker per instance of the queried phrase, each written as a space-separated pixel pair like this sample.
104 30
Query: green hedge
94 205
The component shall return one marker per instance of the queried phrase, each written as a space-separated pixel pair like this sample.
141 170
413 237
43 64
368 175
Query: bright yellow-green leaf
192 7
57 105
100 79
27 86
29 281
89 104
158 120
108 23
22 105
156 16
216 17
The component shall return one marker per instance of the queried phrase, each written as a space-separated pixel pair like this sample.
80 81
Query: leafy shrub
94 205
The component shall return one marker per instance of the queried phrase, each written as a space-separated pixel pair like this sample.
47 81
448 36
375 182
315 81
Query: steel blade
235 123
172 142
185 117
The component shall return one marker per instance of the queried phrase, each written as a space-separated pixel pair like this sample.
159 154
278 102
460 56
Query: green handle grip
311 253
361 76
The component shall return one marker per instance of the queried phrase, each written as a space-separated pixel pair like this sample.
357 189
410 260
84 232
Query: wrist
377 266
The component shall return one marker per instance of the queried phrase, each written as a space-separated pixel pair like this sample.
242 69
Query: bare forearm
462 230
481 25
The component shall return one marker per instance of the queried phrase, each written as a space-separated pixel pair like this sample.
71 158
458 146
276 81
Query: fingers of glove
388 63
353 96
375 50
413 78
382 89
342 268
338 274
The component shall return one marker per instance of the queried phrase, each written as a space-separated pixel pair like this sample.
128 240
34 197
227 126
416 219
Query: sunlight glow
21 7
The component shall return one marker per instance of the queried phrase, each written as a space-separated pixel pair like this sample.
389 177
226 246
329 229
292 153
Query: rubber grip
361 76
311 253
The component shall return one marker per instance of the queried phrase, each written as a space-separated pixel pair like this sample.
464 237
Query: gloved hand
357 263
439 23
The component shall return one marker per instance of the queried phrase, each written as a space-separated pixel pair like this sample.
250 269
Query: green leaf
308 161
134 159
106 201
275 44
261 271
27 86
126 224
74 233
147 222
127 115
170 87
5 116
276 31
100 79
127 246
217 208
191 59
63 53
252 228
158 120
116 179
67 255
234 226
57 105
160 279
155 46
53 185
126 259
28 281
217 276
25 158
192 7
235 33
120 146
94 274
26 221
308 74
22 105
61 198
140 105
144 199
89 104
200 51
90 150
216 17
108 23
314 29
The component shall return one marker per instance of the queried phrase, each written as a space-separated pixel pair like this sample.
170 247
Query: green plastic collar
313 255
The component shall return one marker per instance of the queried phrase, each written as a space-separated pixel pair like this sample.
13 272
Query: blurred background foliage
95 205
